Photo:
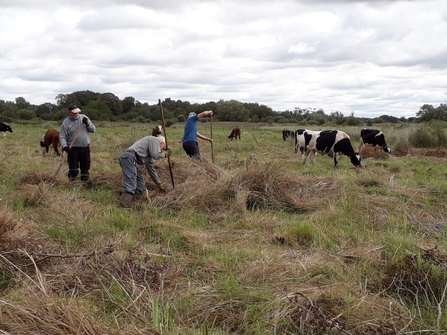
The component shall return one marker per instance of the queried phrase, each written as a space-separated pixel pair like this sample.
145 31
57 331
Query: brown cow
51 138
235 133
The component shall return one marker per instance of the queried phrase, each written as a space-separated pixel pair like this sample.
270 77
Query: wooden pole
212 146
166 141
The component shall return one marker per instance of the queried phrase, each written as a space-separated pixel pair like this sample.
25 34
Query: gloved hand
162 187
67 149
85 121
167 152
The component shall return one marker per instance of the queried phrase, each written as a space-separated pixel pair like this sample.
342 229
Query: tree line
108 107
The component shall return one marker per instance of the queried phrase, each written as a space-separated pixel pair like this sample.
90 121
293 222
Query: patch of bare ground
374 152
401 150
439 153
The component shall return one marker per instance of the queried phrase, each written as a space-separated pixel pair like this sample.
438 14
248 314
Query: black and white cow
4 128
330 142
373 137
300 142
287 133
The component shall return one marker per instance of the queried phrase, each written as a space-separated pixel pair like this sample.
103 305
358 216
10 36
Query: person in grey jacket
142 152
75 141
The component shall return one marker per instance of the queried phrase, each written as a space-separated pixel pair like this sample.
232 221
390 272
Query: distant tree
231 111
440 112
318 118
181 118
112 102
425 112
389 118
257 112
337 117
298 112
25 114
46 108
61 100
352 120
128 103
21 103
98 110
81 98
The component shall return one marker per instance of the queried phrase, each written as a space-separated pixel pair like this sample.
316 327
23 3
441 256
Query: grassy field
249 241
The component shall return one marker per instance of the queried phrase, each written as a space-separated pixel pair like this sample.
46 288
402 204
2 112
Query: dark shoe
126 200
137 197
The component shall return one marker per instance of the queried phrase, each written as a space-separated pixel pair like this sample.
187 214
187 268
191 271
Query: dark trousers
192 149
78 158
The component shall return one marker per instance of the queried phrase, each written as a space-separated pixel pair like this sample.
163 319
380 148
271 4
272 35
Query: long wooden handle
166 141
212 147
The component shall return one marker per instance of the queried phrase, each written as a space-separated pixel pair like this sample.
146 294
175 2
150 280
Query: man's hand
85 121
162 188
67 149
167 152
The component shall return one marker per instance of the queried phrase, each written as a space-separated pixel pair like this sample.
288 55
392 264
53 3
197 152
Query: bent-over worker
142 152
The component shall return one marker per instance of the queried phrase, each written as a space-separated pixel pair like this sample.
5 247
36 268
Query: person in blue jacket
190 135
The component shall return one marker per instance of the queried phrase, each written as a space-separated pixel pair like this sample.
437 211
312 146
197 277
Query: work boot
126 200
137 196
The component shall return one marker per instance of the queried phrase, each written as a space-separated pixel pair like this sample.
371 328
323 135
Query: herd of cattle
308 142
333 143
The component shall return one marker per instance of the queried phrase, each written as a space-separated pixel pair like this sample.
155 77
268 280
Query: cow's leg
335 159
312 156
55 144
305 156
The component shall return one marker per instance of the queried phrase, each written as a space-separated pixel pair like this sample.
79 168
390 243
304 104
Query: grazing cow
51 138
287 133
157 131
330 142
235 133
299 141
4 128
373 137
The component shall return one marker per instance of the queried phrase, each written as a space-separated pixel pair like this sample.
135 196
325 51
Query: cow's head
356 160
8 128
387 149
157 130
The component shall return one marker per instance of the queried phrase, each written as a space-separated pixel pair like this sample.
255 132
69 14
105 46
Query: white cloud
370 57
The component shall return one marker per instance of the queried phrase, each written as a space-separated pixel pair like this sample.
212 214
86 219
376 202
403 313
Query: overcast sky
367 57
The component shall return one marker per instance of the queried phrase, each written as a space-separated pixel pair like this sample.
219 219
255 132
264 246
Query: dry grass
220 248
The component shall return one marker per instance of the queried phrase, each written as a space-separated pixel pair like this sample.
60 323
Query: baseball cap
161 139
191 114
74 109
